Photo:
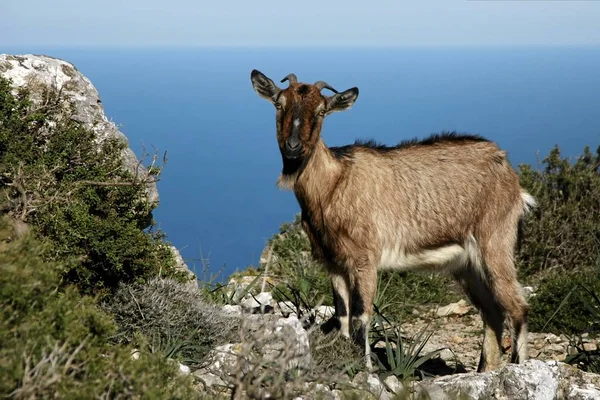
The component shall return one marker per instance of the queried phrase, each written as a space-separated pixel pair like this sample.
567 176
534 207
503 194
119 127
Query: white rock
291 337
184 369
533 380
323 313
209 379
459 308
393 384
588 393
232 309
286 308
135 354
263 300
377 387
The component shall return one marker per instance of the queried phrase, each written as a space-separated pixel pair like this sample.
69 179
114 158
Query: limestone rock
262 302
459 308
534 379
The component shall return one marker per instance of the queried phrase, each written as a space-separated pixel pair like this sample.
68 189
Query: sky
299 23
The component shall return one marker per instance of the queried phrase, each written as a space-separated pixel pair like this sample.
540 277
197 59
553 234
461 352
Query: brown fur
450 203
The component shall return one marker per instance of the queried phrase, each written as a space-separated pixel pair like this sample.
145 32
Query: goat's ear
342 101
264 86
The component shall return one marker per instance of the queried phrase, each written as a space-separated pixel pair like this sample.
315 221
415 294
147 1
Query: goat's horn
323 85
291 77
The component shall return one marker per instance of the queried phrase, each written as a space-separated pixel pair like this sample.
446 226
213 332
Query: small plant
402 360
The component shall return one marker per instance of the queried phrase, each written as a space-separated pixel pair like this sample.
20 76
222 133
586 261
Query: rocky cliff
36 70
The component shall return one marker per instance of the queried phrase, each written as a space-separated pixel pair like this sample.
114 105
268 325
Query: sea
219 203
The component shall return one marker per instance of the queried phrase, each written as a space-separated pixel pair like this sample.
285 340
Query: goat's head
300 111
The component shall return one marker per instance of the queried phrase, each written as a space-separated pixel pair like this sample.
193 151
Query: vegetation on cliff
85 276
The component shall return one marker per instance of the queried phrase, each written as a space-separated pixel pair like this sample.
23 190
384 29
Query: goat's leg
341 299
363 293
507 292
478 291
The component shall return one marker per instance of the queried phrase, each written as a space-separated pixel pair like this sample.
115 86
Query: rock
37 70
259 303
471 386
588 393
209 380
534 379
292 338
277 343
135 354
238 288
323 313
372 384
552 338
319 391
180 265
286 308
232 309
590 346
393 384
223 358
184 369
459 308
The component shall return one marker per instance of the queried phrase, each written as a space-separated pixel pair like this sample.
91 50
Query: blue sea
218 198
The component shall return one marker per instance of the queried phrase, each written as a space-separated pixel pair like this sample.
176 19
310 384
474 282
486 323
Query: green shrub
560 248
56 342
577 315
563 231
76 193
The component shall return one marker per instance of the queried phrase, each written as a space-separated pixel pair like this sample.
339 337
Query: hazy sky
305 22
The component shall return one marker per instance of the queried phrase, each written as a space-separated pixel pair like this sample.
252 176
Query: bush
75 191
168 314
56 342
563 232
561 240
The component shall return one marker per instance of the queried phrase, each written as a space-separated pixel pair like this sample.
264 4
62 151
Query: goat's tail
528 201
528 204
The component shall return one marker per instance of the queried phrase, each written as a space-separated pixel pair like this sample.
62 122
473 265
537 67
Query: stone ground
460 331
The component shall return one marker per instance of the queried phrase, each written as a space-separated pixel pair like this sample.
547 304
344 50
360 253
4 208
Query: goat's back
426 195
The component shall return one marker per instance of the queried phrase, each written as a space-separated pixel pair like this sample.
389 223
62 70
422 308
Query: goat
449 203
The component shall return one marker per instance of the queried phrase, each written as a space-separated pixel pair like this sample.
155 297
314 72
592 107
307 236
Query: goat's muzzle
292 149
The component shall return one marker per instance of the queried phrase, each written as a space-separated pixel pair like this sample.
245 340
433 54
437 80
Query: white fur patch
396 258
296 122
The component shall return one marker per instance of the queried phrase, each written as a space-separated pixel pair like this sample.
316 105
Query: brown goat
448 203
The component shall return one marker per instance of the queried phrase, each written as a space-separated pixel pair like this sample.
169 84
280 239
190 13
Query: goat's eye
278 106
321 113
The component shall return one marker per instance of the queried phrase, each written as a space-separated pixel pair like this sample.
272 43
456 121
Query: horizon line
298 46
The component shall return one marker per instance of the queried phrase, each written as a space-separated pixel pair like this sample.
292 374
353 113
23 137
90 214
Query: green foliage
563 232
173 318
560 249
292 267
402 359
56 342
76 192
